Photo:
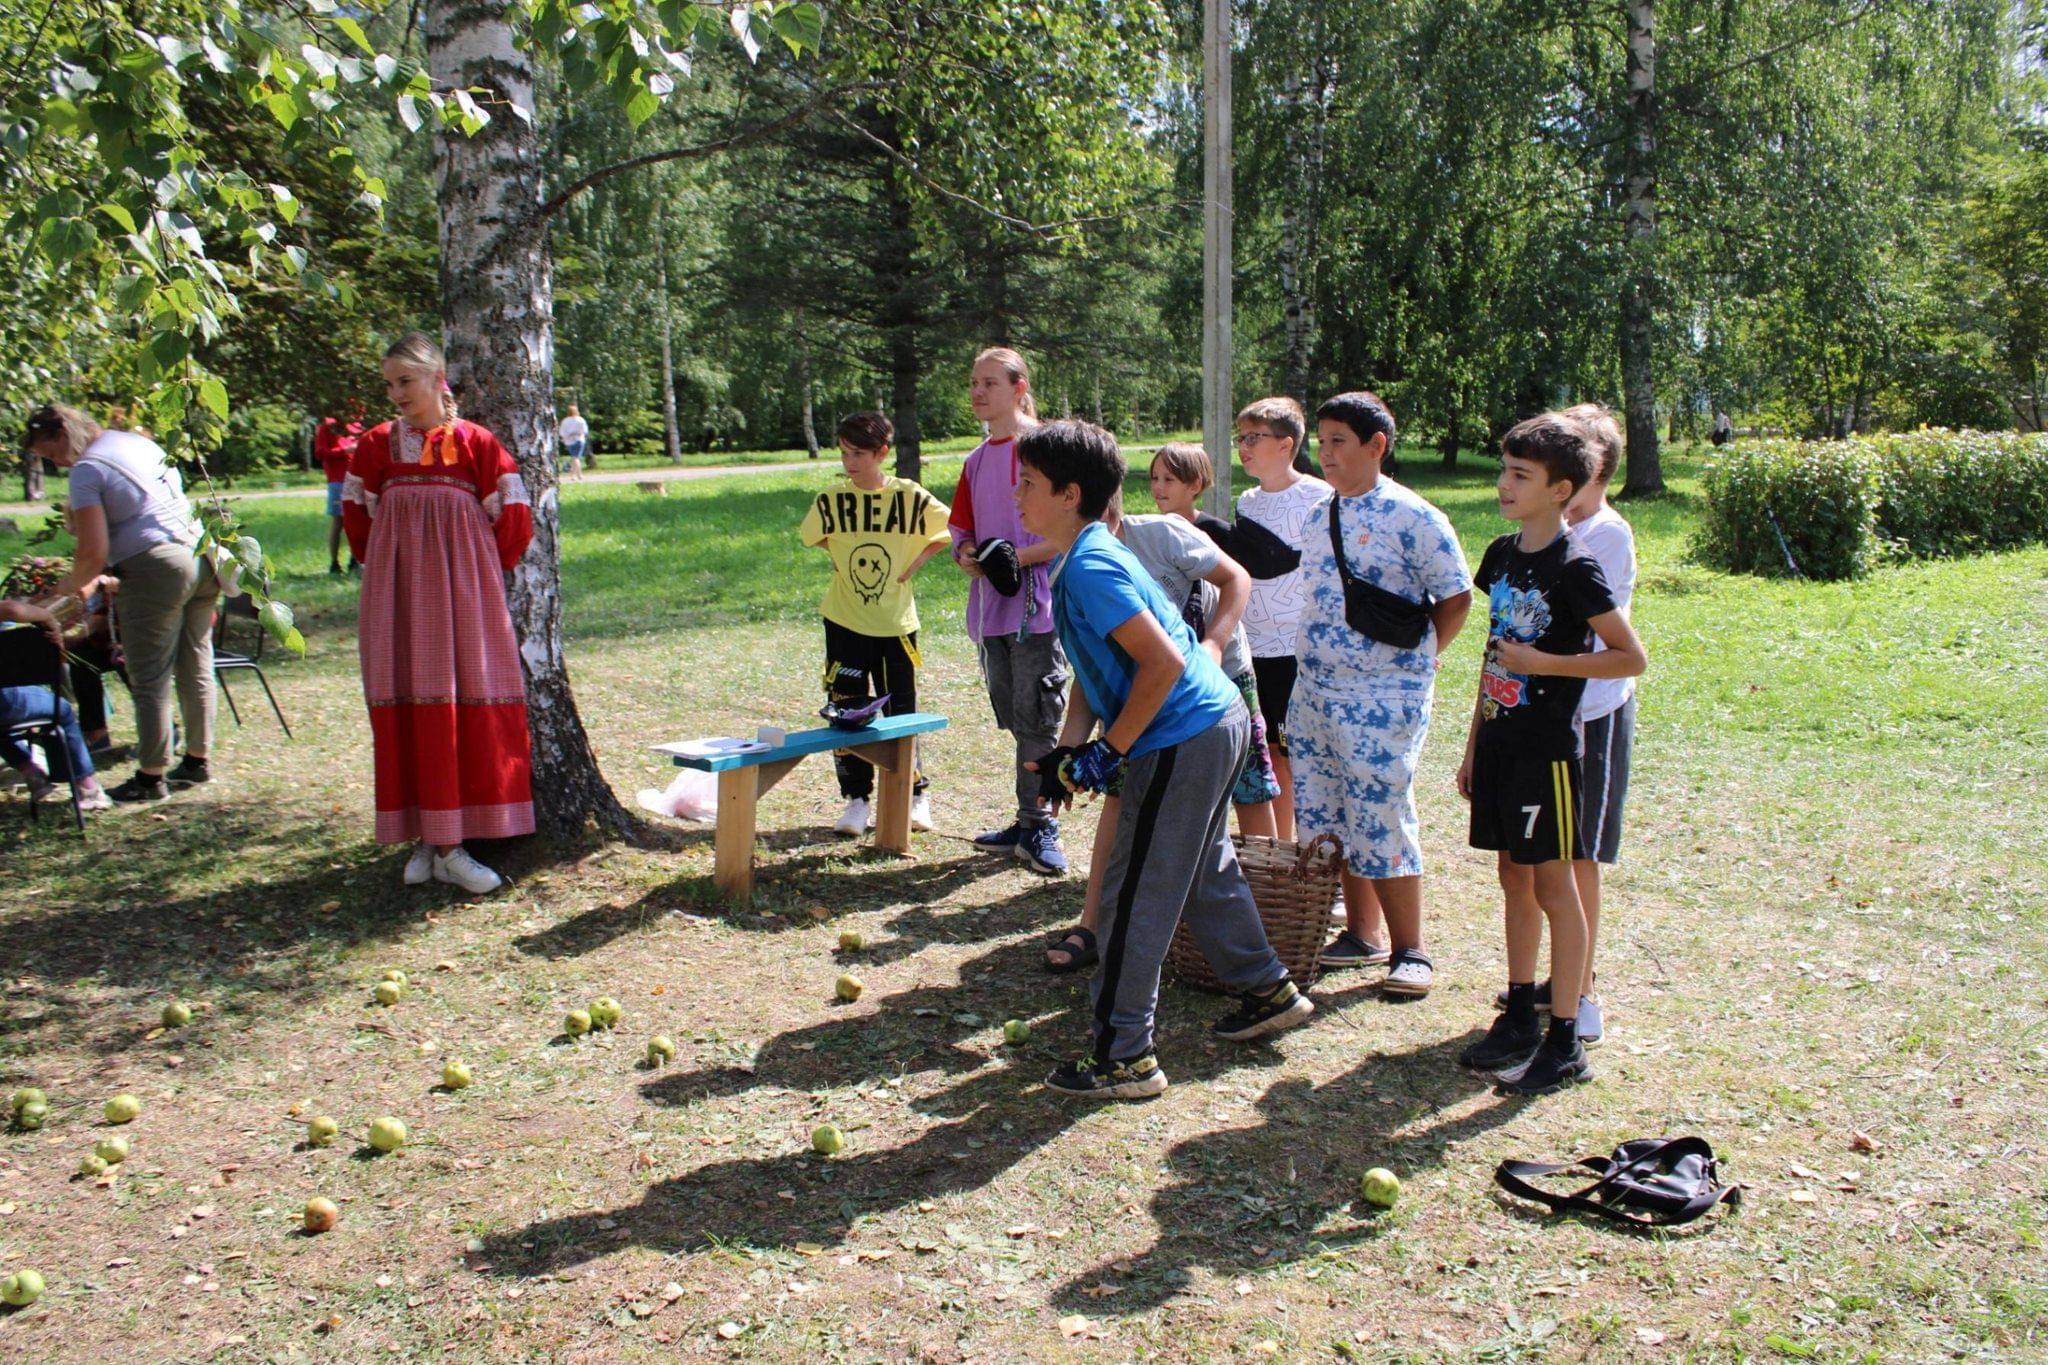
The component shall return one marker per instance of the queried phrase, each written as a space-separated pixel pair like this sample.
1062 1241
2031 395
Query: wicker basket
1294 888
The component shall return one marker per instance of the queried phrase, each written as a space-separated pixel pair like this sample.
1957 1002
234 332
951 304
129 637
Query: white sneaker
96 799
1339 912
856 819
419 868
921 812
1591 1026
459 869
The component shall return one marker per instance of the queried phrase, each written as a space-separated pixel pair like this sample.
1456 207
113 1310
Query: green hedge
1835 509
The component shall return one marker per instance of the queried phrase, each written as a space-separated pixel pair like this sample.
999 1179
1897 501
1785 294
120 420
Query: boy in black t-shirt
1547 599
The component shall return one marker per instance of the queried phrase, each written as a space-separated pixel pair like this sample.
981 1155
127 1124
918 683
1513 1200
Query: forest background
1440 199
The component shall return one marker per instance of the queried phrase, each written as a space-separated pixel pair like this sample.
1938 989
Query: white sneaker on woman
921 812
459 869
419 868
857 819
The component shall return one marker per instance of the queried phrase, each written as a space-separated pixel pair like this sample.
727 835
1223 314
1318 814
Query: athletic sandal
1349 950
1079 944
1282 1007
1138 1079
1408 974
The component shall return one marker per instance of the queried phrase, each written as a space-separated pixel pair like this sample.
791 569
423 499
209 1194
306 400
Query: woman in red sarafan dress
436 513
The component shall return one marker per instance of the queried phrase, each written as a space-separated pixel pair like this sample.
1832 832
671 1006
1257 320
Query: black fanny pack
1650 1182
1370 609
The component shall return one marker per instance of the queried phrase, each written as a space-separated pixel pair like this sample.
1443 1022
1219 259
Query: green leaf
293 641
287 203
642 106
387 67
800 26
297 256
214 395
64 240
283 108
355 33
119 215
167 348
409 113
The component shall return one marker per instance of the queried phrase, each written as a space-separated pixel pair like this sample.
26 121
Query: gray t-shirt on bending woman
134 482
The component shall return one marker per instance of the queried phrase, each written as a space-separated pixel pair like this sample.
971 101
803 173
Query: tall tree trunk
31 476
803 379
1639 277
668 355
899 321
497 312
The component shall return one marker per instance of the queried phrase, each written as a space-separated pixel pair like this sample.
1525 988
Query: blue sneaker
1003 841
1040 849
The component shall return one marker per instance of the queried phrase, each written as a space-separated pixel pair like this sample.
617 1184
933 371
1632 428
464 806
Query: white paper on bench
711 748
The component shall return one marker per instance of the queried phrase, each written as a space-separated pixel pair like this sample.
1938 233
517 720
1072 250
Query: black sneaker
1282 1007
1500 998
190 772
336 569
1551 1069
141 787
1138 1079
1349 950
1507 1044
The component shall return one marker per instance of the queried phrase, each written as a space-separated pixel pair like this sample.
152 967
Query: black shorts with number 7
1525 807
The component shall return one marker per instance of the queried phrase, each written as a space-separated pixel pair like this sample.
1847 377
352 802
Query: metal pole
1219 412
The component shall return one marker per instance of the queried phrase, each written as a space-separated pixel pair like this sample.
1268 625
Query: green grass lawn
1829 922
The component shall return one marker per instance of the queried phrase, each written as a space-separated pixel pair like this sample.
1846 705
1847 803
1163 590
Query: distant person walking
334 441
130 516
1724 430
575 441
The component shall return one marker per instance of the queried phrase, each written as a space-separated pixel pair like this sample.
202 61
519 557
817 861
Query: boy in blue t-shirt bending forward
1174 737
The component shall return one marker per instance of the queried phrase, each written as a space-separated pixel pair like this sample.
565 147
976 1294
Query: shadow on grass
995 1115
1247 1199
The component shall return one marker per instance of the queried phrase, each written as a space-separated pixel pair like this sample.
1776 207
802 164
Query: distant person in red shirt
334 441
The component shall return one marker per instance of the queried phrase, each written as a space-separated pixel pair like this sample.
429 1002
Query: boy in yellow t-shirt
879 530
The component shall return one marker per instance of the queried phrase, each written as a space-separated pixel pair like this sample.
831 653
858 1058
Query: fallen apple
396 975
848 986
1381 1187
389 992
112 1150
827 1139
177 1014
606 1012
661 1050
322 1131
32 1116
122 1109
387 1134
26 1096
321 1215
455 1075
21 1289
849 940
1016 1032
92 1165
576 1023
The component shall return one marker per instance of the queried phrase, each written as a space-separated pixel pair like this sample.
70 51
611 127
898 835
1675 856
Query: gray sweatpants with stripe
1173 858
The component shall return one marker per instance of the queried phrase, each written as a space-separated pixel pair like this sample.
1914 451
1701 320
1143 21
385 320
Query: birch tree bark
1307 112
668 355
1639 277
497 314
803 378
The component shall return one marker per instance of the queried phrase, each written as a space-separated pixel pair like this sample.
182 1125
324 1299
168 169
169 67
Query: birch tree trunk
1302 153
803 378
31 476
1639 276
497 313
668 355
900 317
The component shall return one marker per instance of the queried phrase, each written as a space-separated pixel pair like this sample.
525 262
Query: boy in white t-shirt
1269 432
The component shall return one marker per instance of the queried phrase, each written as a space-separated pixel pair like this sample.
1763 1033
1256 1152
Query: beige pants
165 621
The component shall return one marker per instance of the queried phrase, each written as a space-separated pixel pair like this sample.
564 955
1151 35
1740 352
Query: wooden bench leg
733 865
892 816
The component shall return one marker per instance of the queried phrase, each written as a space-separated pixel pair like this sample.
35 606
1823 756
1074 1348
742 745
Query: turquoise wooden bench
745 776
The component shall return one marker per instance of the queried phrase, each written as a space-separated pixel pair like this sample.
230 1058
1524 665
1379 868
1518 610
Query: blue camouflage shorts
1354 775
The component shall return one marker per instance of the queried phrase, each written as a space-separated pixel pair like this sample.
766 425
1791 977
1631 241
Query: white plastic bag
692 796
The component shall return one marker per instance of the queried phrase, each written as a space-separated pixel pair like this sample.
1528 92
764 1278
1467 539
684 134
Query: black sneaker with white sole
1137 1079
141 787
190 772
1282 1007
1554 1067
1508 1044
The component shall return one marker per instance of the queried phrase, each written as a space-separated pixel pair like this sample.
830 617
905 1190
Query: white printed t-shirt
1607 537
1275 607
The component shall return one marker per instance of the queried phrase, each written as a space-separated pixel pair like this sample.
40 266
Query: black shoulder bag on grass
1370 609
1647 1183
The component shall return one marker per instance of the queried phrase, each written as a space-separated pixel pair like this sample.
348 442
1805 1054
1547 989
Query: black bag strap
1513 1176
1344 573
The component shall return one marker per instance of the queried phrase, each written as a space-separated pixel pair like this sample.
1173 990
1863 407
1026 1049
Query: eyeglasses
1252 438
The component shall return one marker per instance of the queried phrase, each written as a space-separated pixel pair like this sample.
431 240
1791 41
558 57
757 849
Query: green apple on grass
606 1012
661 1050
322 1131
1381 1187
112 1150
388 1134
576 1023
455 1075
177 1014
847 987
21 1289
122 1109
826 1139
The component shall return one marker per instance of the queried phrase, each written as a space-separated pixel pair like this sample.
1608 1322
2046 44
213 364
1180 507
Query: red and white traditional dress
435 518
